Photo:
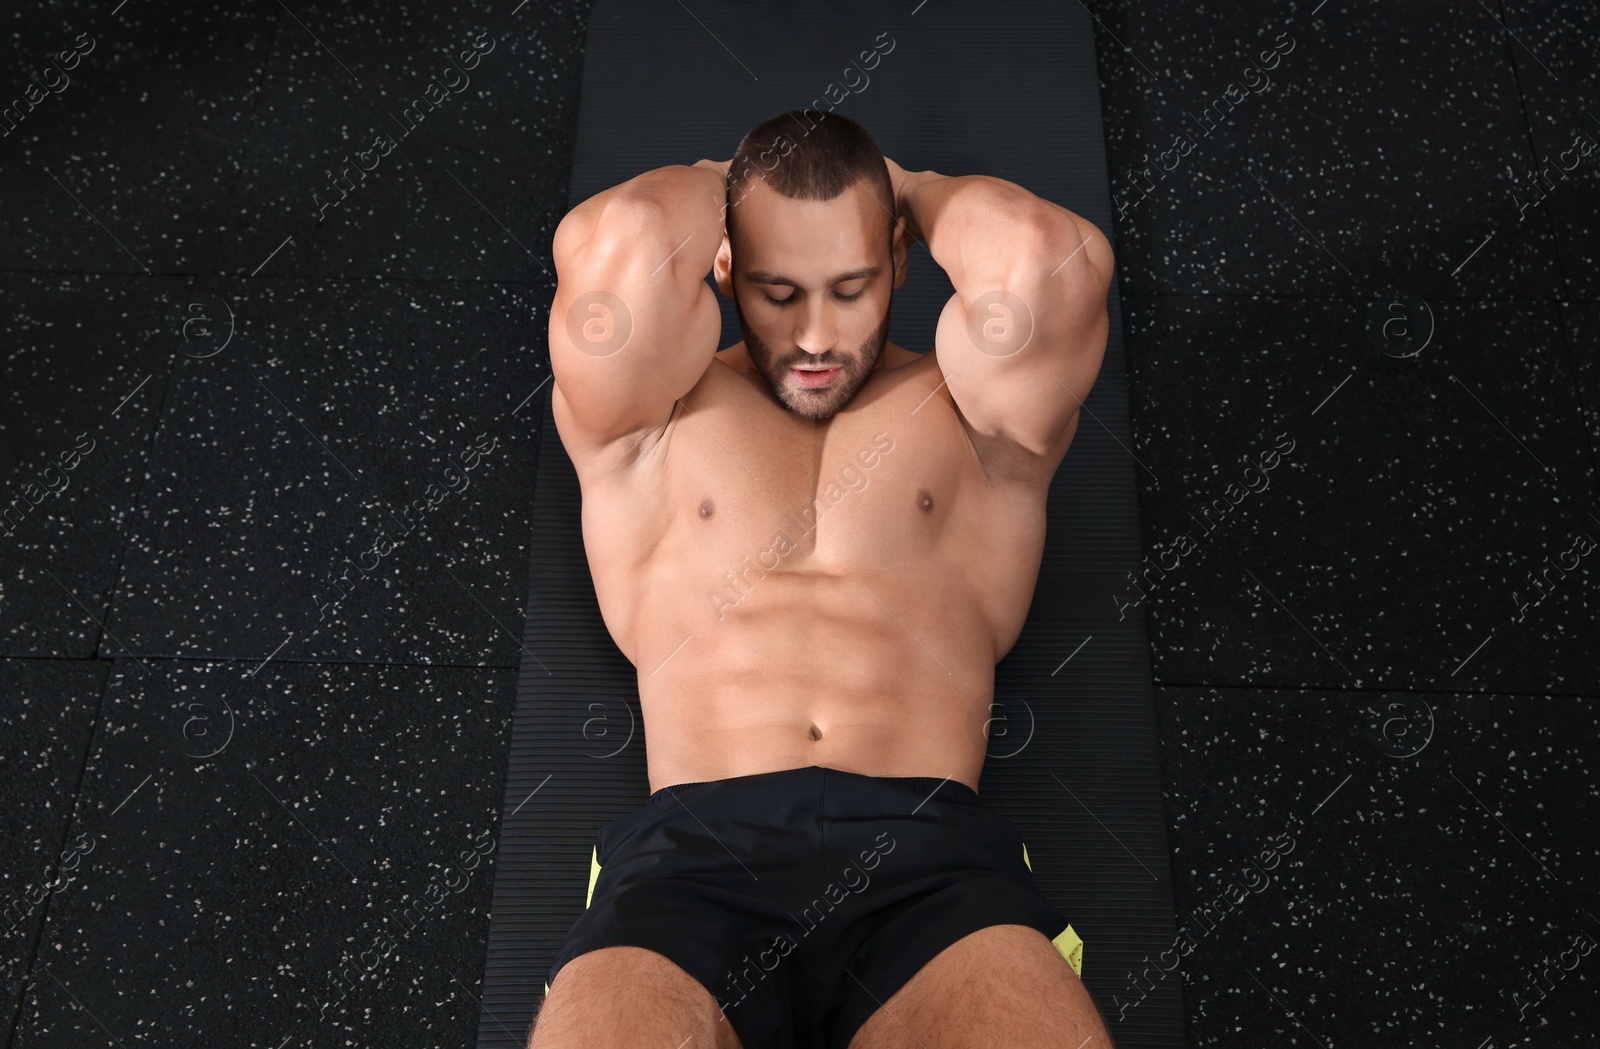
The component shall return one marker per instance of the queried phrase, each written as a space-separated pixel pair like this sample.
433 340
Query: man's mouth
813 376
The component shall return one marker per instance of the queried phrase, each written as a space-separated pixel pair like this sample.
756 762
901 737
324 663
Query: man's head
812 254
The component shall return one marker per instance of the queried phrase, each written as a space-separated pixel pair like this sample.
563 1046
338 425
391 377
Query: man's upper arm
631 329
1021 355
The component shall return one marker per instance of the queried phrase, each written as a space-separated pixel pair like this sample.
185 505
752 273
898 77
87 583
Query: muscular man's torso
796 592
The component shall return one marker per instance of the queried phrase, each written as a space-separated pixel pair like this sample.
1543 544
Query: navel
816 733
707 508
925 500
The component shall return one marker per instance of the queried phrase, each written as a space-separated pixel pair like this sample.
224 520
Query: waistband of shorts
929 788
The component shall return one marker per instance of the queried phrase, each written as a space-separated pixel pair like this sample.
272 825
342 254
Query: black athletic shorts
802 899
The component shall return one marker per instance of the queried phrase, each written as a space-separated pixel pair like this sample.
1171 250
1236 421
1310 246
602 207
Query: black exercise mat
1008 91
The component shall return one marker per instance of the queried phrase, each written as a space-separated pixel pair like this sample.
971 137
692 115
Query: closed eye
790 299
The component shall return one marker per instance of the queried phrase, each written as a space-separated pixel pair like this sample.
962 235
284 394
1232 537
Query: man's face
812 286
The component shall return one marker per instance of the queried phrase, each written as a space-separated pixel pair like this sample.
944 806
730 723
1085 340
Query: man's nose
817 333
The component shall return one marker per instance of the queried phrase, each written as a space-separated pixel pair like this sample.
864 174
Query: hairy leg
626 997
1002 985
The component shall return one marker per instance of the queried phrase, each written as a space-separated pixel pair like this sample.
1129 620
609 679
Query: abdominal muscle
809 669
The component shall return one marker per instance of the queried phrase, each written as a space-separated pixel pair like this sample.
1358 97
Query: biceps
1017 372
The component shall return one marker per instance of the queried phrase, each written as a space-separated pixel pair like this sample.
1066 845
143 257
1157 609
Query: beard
814 402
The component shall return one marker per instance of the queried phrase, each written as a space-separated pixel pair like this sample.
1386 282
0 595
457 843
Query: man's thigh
1002 985
625 997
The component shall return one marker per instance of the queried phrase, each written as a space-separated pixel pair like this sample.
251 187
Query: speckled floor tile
129 130
1325 506
1332 149
1582 324
1380 868
1556 47
350 478
46 719
84 362
322 878
426 141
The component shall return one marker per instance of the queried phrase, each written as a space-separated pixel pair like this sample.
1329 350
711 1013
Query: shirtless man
814 546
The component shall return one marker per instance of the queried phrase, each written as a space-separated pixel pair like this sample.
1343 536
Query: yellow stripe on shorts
1068 943
588 897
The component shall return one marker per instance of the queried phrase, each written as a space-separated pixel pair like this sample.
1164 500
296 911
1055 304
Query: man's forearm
975 225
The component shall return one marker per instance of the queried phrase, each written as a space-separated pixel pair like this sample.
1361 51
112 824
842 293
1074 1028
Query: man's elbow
617 220
1074 245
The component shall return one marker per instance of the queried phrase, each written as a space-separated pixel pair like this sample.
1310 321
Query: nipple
925 501
707 508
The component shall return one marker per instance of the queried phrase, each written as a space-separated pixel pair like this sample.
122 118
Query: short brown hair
806 154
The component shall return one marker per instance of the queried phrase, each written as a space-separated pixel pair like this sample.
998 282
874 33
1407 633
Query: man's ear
900 250
722 268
